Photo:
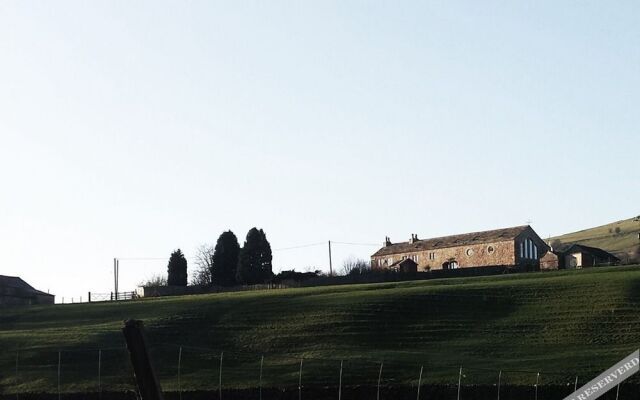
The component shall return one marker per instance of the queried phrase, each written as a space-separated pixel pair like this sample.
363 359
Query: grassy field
619 238
562 323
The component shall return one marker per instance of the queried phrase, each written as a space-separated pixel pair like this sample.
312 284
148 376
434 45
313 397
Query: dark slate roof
14 286
400 262
594 251
464 239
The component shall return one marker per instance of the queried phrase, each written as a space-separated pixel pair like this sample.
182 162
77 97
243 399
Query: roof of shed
405 261
17 287
591 250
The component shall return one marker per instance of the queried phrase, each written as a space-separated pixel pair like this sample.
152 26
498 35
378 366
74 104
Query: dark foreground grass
561 324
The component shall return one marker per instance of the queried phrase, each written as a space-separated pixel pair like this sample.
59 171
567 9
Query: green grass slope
619 238
562 323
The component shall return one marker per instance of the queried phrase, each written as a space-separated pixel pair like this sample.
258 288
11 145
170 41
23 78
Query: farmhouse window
528 249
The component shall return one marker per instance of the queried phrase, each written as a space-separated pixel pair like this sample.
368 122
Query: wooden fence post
220 377
180 373
146 379
260 381
419 383
59 371
99 374
459 382
300 381
17 376
379 378
340 382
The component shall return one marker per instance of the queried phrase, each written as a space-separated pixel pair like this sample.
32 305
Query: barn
15 291
515 246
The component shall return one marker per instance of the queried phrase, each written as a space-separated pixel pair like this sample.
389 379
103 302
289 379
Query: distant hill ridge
619 238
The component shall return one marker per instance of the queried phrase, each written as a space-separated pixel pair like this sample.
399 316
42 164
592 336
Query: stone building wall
550 261
524 249
475 255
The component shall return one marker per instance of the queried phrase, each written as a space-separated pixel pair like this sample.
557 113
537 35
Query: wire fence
186 369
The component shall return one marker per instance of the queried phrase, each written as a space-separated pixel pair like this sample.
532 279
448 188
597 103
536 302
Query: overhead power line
300 246
357 244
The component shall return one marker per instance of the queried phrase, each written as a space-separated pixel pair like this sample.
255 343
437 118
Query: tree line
226 264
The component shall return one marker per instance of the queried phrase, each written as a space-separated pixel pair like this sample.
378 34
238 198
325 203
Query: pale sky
131 128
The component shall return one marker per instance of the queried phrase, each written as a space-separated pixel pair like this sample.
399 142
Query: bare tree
201 275
556 244
154 281
355 266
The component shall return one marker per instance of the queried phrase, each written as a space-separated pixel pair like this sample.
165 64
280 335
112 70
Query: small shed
405 266
15 291
581 256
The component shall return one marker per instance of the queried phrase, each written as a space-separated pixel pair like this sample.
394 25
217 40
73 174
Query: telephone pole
330 262
116 273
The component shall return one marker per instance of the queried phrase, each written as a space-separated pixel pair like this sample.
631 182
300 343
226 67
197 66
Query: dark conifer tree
254 264
225 260
266 257
177 269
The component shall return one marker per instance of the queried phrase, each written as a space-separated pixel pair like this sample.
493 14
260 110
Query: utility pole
116 272
330 262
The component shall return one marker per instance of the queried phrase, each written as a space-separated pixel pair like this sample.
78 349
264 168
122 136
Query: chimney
387 241
414 238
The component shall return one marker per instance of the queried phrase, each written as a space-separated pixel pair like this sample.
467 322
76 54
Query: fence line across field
262 357
253 355
181 358
250 355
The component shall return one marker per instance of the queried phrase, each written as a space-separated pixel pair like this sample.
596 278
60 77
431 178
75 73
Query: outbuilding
15 291
581 256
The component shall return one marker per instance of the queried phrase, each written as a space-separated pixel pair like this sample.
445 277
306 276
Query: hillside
619 238
562 324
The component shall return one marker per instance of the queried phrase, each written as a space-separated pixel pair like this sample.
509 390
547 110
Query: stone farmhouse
517 246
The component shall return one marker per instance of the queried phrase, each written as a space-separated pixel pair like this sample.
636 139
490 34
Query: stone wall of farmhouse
476 255
550 261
